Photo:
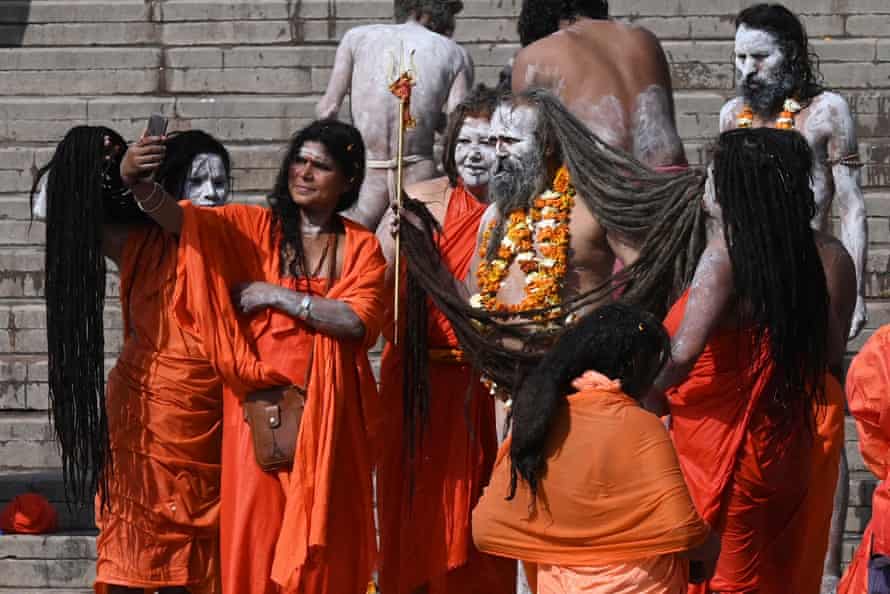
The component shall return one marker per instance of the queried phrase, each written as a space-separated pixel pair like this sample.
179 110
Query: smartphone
157 125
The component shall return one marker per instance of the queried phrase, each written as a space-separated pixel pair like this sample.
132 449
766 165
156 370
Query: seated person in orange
159 418
868 388
308 289
440 438
754 338
587 489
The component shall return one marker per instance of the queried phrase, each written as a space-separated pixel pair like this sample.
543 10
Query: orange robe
868 386
812 523
612 507
425 537
164 403
309 530
747 480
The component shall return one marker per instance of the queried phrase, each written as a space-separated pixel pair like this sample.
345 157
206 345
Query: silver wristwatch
305 306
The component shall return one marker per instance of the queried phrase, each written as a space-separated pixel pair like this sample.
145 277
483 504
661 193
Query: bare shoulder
729 112
430 190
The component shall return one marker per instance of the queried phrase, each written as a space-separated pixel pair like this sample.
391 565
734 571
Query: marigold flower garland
546 226
785 121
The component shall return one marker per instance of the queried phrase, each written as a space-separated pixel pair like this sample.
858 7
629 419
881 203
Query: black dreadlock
660 212
83 192
616 340
762 184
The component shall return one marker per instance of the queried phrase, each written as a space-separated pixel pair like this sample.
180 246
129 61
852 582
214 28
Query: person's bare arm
143 157
459 88
709 296
842 147
340 81
840 278
329 316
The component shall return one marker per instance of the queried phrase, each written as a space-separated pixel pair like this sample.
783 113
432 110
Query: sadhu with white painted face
293 294
197 168
440 440
613 77
779 87
159 417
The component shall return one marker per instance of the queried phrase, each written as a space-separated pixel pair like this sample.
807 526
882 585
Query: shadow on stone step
49 484
13 21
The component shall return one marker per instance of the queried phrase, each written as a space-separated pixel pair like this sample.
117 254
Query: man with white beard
778 87
564 206
368 60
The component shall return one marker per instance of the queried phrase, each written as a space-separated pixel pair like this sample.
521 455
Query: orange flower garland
785 121
546 226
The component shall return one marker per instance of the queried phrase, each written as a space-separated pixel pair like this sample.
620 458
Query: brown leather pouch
274 417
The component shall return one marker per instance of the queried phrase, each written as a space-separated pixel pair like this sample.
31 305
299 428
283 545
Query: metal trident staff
401 88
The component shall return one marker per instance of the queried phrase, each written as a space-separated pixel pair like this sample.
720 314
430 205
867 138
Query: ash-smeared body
368 59
613 77
828 125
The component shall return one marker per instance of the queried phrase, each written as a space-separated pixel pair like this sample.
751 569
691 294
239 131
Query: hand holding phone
157 125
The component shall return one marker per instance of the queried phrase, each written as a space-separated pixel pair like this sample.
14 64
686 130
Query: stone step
49 484
27 442
62 562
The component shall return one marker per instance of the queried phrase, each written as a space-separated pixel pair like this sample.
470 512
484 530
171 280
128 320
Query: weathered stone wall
250 72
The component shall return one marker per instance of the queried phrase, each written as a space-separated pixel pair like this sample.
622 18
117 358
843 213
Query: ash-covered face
764 78
207 183
474 152
519 171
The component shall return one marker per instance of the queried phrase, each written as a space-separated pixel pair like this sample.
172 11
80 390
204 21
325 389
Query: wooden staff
401 88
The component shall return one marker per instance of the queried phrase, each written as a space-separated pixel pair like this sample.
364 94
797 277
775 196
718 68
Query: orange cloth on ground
164 404
29 513
309 530
425 536
812 523
746 479
612 494
868 395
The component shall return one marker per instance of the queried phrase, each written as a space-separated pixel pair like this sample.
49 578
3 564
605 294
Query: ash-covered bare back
613 77
368 59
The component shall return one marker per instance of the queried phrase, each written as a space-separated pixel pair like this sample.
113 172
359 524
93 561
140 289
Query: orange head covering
29 514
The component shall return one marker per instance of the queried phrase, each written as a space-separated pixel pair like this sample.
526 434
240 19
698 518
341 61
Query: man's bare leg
832 569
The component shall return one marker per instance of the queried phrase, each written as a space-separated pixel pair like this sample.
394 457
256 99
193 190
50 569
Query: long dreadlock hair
802 62
619 341
762 184
479 103
84 192
182 148
347 149
660 212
